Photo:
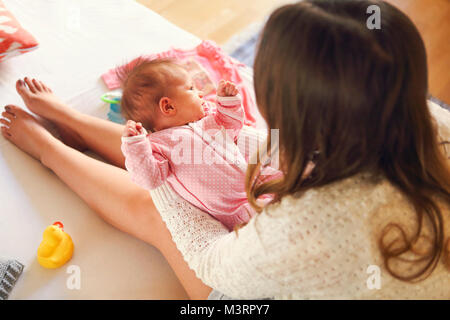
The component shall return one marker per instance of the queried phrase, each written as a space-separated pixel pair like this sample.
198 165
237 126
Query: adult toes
22 89
44 86
30 85
8 115
5 122
37 85
10 112
5 132
15 110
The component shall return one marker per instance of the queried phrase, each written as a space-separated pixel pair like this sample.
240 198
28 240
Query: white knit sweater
317 246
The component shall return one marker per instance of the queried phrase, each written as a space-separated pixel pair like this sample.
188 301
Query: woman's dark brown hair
353 99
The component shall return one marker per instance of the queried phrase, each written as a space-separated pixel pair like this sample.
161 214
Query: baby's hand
132 129
226 89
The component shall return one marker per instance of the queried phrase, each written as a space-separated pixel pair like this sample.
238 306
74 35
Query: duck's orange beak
59 224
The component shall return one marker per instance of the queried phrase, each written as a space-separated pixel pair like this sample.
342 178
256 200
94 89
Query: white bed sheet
79 40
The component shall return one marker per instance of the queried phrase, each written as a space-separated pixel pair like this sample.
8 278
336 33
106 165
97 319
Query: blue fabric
440 103
245 53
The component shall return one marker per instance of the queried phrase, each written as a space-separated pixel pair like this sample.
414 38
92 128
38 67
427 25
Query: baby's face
188 100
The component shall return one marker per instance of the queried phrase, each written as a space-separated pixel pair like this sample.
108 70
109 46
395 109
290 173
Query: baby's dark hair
144 82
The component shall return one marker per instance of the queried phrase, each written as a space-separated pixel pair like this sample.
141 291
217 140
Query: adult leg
78 130
105 188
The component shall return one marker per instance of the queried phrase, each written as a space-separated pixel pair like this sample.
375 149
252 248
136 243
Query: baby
192 146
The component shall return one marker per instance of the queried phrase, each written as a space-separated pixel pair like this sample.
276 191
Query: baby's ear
167 107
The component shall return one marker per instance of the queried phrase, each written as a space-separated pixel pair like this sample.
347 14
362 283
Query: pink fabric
14 39
201 173
216 66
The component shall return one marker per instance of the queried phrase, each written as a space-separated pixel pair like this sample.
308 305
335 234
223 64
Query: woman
351 99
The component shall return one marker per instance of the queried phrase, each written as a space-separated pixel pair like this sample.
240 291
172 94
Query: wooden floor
218 20
432 18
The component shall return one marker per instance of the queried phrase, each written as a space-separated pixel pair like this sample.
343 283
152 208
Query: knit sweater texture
320 245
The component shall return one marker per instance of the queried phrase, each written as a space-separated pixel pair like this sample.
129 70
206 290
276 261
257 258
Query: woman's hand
132 129
226 89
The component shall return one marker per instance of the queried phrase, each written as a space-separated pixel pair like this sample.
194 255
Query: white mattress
79 40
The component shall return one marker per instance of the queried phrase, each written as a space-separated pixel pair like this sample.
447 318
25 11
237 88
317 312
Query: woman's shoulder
324 239
442 118
332 232
366 199
340 210
361 192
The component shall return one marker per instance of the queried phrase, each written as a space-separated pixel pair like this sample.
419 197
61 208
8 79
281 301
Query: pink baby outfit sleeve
148 168
230 114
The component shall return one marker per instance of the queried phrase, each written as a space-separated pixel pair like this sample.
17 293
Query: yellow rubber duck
56 247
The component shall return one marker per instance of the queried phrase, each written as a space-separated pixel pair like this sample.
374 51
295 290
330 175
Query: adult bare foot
39 98
22 129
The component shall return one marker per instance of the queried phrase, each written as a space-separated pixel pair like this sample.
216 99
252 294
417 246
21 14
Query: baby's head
160 94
